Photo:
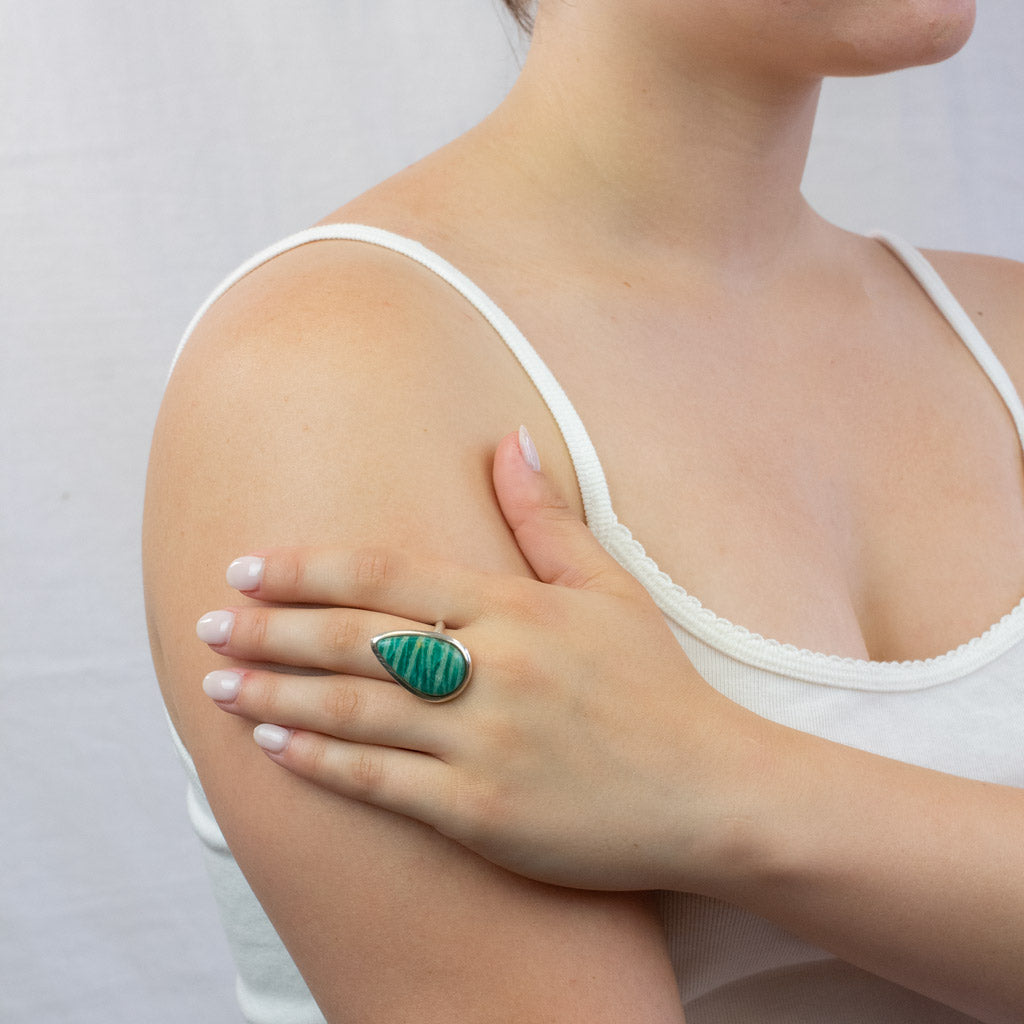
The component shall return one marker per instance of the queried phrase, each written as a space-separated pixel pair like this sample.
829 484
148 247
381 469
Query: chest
857 493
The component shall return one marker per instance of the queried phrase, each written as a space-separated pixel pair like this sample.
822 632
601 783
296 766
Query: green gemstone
433 666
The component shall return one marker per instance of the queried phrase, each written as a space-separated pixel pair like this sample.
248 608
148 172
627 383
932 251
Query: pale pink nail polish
245 573
271 738
222 685
528 450
215 627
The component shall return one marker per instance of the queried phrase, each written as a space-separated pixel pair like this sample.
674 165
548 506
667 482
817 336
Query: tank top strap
956 316
589 472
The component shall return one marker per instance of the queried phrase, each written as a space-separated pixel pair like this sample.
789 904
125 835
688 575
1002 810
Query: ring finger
332 639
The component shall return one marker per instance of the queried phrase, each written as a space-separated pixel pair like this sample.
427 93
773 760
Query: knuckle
587 576
502 738
342 705
259 695
554 506
290 569
368 773
549 507
521 666
311 754
482 810
257 628
372 568
514 663
519 602
341 633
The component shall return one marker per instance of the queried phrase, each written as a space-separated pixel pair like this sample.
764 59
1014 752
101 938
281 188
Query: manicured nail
528 450
245 573
215 627
222 685
271 737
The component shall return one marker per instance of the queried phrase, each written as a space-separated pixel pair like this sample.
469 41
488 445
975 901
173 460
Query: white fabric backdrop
145 149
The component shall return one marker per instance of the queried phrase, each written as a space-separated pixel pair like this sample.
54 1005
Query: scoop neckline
744 645
741 644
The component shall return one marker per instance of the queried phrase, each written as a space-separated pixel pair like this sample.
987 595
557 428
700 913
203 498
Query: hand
586 751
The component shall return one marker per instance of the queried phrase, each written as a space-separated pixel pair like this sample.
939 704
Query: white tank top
961 712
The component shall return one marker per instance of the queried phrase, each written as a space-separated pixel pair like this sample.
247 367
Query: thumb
552 538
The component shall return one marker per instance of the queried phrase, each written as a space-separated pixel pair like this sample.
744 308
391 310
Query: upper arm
322 401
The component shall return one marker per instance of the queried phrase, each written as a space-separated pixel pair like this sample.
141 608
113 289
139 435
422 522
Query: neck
658 153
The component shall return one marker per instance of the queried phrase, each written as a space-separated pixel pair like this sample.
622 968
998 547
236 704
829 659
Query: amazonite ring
428 663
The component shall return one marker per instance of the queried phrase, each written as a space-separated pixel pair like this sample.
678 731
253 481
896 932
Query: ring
429 663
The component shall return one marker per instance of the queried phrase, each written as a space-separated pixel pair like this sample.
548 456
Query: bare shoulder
312 404
341 395
340 359
991 290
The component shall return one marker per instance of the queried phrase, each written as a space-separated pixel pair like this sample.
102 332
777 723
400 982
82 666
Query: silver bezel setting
458 645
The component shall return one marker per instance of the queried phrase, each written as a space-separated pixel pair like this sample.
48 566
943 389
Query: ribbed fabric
961 712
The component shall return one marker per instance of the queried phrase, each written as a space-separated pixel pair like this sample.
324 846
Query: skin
676 788
692 280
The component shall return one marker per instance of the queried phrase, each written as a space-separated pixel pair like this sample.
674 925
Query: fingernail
245 573
271 737
222 685
215 627
528 450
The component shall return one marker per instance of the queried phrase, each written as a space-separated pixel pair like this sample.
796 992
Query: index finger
372 578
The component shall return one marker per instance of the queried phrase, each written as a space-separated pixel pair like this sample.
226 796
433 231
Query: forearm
911 874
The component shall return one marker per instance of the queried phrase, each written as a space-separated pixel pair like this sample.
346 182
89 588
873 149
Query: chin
912 33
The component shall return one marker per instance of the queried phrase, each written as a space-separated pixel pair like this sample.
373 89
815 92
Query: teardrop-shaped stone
431 665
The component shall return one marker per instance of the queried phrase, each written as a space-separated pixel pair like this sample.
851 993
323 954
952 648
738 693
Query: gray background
145 150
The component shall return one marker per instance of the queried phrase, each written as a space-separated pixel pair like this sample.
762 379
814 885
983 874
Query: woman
800 425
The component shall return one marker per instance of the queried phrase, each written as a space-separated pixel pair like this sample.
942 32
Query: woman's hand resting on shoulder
585 751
